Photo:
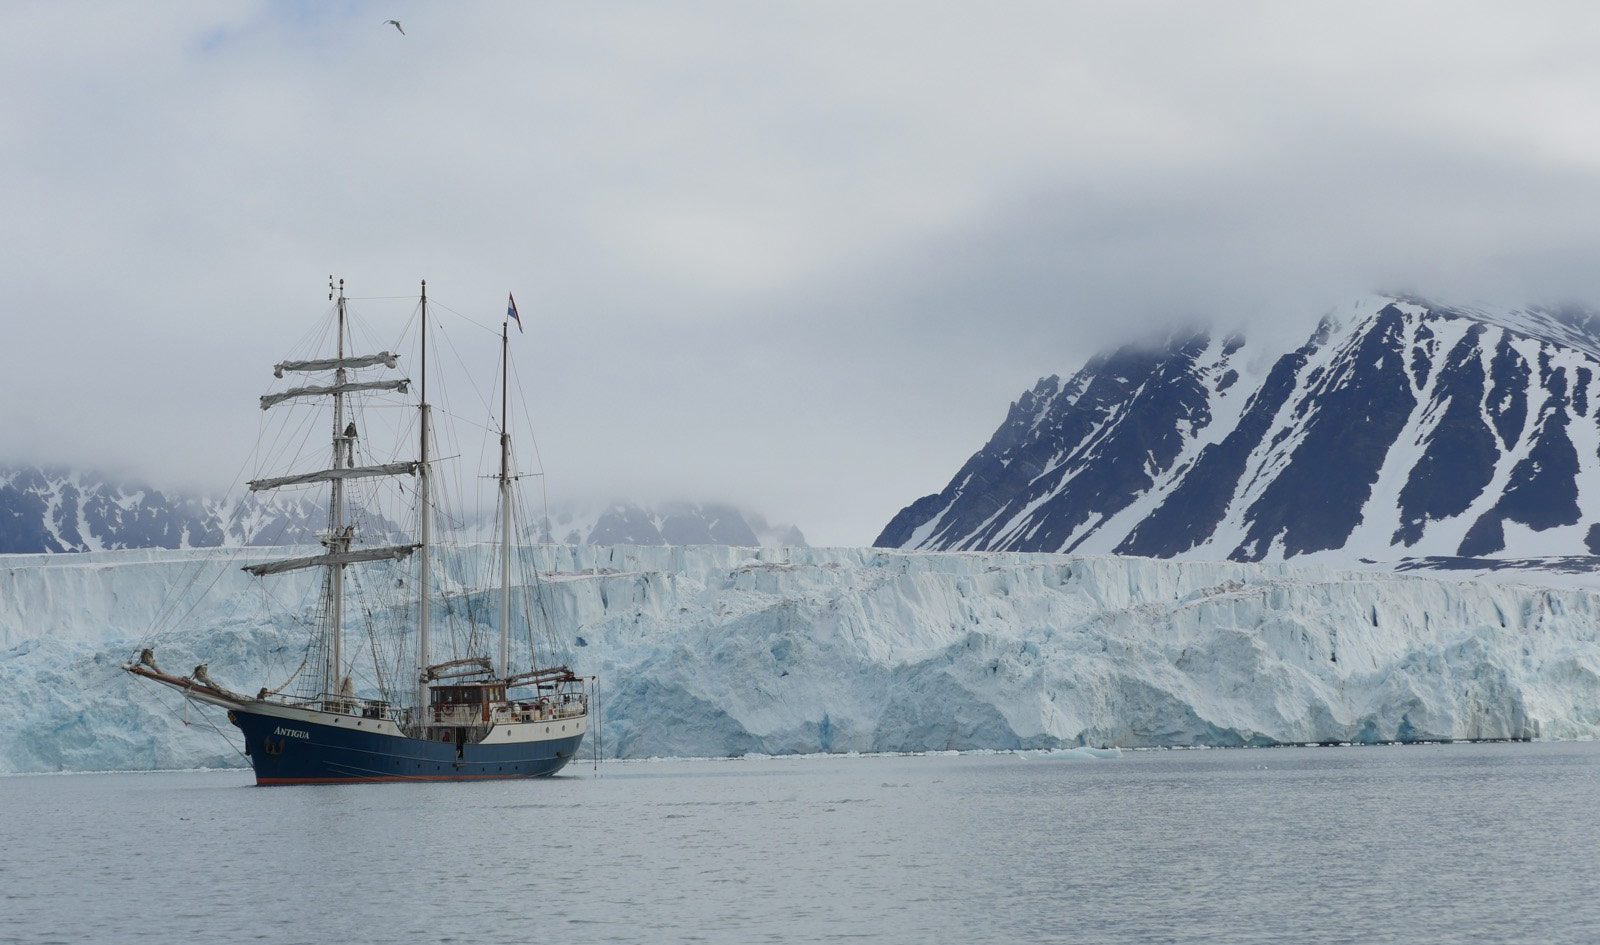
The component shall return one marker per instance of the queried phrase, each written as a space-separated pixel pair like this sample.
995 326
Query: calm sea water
1461 843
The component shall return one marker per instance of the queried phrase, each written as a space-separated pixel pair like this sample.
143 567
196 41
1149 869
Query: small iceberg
1079 754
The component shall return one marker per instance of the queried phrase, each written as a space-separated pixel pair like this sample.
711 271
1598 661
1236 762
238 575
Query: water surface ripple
1420 844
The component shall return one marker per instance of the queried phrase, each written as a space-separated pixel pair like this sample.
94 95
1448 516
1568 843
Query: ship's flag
511 311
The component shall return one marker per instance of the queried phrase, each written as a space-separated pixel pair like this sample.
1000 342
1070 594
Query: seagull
395 24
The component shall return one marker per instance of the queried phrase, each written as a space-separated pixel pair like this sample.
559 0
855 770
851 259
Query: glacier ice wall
714 650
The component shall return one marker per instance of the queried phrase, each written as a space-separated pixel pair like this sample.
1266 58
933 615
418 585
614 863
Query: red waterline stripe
397 777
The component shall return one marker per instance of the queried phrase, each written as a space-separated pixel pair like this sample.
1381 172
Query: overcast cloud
799 256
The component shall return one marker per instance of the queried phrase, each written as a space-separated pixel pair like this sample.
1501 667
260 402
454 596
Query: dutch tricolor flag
511 311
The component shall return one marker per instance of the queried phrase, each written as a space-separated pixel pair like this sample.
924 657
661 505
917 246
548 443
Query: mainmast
424 524
505 510
338 540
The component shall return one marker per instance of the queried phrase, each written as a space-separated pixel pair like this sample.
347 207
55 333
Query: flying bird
395 24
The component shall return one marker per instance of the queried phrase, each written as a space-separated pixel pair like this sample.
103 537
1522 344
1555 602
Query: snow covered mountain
1398 429
668 523
59 510
713 650
64 510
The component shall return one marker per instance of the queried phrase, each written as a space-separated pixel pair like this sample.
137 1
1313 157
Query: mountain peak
1398 427
53 509
622 522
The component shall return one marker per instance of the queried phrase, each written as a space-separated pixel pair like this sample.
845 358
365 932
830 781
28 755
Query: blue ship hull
291 751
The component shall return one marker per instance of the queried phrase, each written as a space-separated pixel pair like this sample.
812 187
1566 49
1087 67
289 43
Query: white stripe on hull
502 733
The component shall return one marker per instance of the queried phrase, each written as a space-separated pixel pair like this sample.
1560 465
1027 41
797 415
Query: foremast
340 537
338 541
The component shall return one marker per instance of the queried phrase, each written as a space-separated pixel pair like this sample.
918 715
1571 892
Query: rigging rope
201 711
220 733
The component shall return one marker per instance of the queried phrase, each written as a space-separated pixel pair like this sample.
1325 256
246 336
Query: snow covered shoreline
720 651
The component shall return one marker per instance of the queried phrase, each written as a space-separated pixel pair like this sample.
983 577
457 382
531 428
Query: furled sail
332 364
328 475
267 400
390 553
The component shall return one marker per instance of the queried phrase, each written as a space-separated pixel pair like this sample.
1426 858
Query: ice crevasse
715 650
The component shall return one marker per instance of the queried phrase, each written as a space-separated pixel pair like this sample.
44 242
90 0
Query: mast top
505 373
423 400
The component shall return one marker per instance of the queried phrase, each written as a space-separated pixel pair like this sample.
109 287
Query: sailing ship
468 718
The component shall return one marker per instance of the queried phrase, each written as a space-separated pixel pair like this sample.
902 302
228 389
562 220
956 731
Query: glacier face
716 650
1398 428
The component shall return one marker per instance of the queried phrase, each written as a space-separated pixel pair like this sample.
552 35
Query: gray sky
798 256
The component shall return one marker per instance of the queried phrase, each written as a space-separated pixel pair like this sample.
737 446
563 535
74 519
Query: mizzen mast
505 509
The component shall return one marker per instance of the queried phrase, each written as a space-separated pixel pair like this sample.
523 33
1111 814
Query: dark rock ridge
1399 428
